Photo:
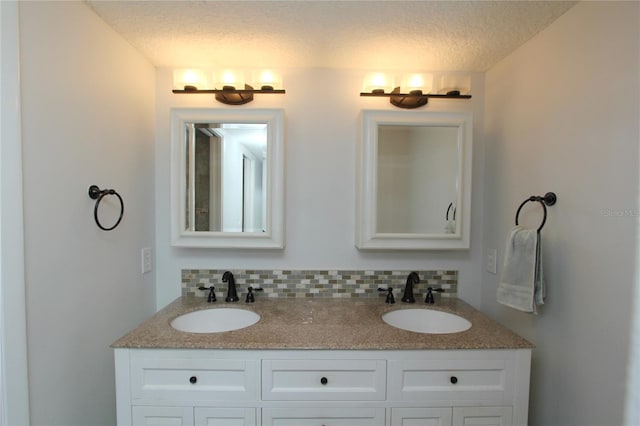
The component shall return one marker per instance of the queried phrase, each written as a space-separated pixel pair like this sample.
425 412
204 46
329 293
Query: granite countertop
320 324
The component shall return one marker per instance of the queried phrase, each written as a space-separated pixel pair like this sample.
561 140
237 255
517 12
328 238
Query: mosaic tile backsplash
317 283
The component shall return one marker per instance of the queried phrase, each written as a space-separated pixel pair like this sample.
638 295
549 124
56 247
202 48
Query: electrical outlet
492 261
146 260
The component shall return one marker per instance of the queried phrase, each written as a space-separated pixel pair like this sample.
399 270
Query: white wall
322 109
88 118
13 333
562 115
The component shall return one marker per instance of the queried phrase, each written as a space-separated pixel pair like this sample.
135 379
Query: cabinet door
421 416
162 416
485 416
325 416
205 416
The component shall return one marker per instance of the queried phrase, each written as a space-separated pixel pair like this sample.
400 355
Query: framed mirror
227 178
414 180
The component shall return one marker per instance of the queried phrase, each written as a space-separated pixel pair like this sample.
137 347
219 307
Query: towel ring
97 194
549 199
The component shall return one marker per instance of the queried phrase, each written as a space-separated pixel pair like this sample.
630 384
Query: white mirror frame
273 238
366 193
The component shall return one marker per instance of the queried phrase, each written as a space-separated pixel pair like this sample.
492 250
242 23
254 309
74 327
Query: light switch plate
492 260
146 260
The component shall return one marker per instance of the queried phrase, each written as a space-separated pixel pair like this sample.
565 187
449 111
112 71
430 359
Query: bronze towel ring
549 199
97 194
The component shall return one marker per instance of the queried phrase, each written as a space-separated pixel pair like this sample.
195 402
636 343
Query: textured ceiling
387 35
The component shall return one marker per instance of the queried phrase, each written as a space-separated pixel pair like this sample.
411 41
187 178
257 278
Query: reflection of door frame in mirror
273 236
367 236
248 196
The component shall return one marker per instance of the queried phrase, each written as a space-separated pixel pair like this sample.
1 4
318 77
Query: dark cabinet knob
324 381
193 379
454 380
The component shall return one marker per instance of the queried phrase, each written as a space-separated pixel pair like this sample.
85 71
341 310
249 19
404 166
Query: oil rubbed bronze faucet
232 295
412 279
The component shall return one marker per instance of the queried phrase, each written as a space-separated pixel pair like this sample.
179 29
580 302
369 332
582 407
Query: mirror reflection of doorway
226 177
207 187
251 195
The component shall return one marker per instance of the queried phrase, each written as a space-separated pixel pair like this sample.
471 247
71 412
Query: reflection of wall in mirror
232 188
393 179
243 181
417 178
252 202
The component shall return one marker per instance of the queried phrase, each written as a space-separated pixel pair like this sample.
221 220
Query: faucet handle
390 299
430 290
212 294
250 297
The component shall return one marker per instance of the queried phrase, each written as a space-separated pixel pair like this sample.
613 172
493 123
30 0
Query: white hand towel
521 286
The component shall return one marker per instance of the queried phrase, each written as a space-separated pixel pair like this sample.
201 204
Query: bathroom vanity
321 362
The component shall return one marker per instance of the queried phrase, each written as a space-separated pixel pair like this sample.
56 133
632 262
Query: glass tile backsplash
317 283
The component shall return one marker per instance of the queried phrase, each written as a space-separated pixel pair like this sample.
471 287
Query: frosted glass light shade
455 82
377 81
229 79
189 79
417 81
266 80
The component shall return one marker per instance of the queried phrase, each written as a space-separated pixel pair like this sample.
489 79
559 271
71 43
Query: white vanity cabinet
429 416
158 415
314 416
190 416
324 380
487 416
322 387
457 416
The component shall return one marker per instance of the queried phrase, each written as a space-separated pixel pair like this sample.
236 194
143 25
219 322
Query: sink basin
215 320
426 321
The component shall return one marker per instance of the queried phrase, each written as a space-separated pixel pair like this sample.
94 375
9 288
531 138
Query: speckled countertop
320 324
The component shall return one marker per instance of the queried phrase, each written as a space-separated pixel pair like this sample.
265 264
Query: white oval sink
426 321
215 320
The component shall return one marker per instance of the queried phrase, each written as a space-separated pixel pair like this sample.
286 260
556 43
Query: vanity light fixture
414 90
229 86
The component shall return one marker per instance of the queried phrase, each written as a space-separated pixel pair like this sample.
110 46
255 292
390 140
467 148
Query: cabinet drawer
328 416
452 380
324 380
193 379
